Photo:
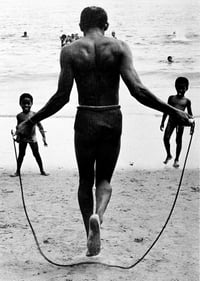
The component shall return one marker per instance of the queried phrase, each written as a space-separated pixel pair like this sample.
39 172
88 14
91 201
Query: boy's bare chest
178 102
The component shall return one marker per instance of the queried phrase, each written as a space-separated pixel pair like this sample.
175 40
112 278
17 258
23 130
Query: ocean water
154 29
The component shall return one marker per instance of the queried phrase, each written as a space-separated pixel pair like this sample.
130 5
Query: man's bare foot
167 159
15 175
176 164
94 242
44 174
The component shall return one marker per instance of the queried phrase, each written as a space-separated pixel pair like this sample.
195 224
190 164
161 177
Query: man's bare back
95 62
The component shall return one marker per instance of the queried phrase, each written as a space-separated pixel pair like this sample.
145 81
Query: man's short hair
181 80
24 96
93 17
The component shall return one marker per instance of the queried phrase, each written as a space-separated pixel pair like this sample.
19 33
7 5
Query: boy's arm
163 121
142 94
189 108
164 117
14 133
18 120
42 131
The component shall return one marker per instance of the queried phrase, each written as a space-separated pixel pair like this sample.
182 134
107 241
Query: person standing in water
25 35
96 63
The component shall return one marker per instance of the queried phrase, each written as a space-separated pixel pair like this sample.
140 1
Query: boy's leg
179 135
167 135
36 154
20 158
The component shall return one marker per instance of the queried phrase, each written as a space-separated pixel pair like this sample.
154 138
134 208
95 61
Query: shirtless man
96 63
180 102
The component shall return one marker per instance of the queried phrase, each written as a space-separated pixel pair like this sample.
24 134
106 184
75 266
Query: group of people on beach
96 63
68 39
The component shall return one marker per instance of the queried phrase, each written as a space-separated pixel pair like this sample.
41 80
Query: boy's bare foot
167 159
44 173
176 164
15 175
94 242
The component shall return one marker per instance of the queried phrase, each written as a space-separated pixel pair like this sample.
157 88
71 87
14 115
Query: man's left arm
142 94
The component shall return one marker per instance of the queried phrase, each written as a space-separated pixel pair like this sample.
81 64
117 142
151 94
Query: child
26 101
180 102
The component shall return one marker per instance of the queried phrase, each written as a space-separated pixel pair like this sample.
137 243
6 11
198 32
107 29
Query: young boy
26 102
180 102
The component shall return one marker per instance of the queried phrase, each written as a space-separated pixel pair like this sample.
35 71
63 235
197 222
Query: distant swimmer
63 38
170 59
113 34
25 35
181 103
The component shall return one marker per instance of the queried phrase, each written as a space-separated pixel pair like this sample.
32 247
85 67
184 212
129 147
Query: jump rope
98 262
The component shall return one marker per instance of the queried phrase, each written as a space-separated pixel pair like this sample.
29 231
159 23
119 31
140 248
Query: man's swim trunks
98 123
97 138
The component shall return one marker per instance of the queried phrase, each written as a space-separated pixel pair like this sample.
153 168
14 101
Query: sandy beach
143 193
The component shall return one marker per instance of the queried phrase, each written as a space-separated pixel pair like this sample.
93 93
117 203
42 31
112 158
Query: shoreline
141 144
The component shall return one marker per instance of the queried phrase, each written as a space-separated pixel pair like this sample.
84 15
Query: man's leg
36 154
107 156
179 135
94 142
108 153
103 195
85 199
85 156
167 135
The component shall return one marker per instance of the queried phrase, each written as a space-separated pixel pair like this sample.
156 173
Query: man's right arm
61 97
141 93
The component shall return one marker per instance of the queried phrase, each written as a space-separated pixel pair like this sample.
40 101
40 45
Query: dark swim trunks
97 138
